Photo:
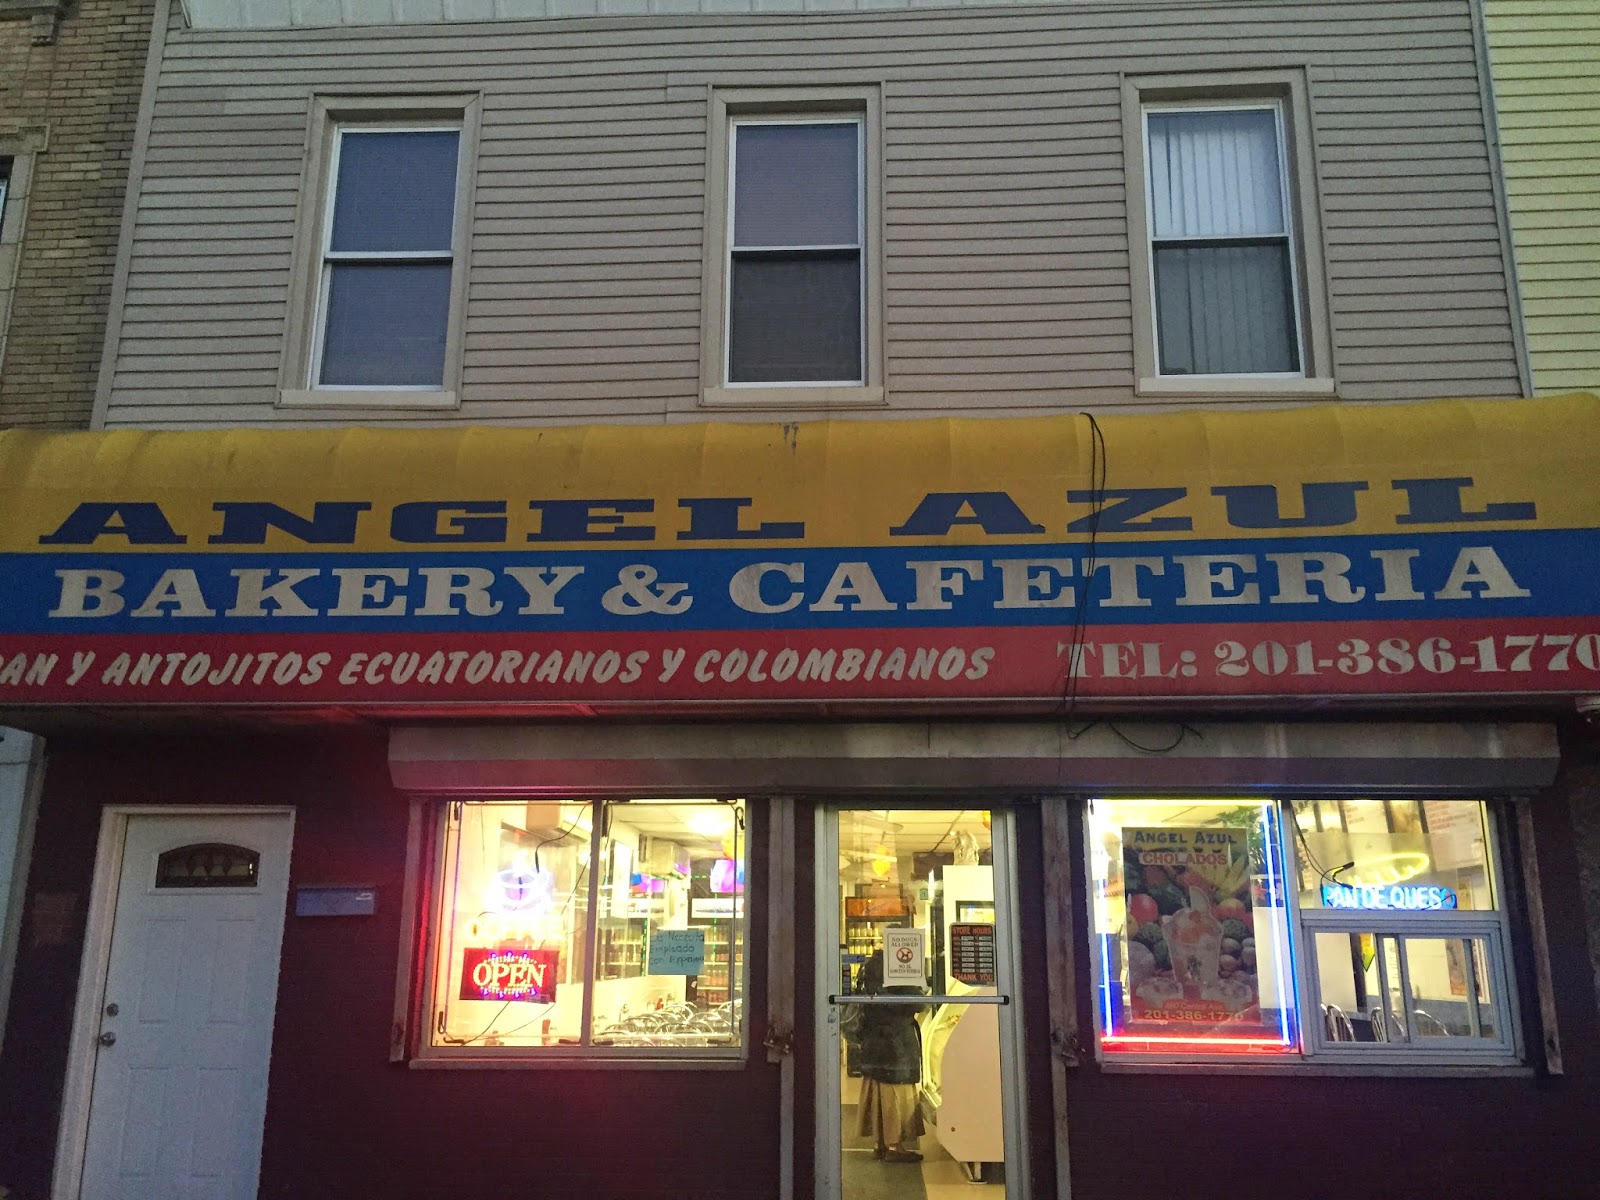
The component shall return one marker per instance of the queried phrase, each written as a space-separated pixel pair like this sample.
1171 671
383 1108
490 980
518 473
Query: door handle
986 998
108 1038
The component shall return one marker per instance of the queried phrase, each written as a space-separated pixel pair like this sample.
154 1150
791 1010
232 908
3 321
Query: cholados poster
1190 930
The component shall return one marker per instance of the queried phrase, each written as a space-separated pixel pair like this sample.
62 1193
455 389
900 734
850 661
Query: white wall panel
1004 228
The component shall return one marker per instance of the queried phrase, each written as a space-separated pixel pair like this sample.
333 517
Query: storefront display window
1404 935
1192 927
605 927
1353 929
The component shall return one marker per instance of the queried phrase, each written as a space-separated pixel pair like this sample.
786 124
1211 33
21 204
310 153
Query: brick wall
83 89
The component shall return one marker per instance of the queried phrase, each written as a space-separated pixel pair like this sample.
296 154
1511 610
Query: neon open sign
528 976
1405 897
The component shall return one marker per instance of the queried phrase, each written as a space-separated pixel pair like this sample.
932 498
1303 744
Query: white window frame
1492 925
1286 94
1488 926
330 119
431 896
1506 1052
729 109
22 145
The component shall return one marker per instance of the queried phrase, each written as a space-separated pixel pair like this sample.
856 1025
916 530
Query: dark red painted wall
342 1121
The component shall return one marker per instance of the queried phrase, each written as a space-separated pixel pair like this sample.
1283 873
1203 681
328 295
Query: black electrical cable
1305 849
1183 732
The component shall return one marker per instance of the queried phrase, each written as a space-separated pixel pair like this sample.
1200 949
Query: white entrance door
180 1077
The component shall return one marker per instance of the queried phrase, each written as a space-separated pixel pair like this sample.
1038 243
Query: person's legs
870 1117
901 1122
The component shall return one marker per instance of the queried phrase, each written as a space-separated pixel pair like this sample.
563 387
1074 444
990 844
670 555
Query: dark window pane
396 191
1225 310
209 865
386 324
796 318
796 185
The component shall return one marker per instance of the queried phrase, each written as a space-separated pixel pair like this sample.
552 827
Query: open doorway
918 1096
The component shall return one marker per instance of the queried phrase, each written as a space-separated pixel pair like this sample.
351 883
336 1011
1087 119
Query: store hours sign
1432 549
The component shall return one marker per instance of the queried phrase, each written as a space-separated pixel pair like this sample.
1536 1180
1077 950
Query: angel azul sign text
936 514
846 584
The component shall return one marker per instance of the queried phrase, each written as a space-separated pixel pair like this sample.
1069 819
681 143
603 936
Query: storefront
753 811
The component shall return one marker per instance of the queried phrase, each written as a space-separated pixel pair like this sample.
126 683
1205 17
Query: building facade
823 603
69 96
1541 60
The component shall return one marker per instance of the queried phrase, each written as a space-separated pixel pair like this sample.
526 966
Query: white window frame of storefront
1490 926
425 888
1317 1052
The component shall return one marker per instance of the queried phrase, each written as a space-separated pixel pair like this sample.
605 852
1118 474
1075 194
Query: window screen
1221 243
389 258
795 257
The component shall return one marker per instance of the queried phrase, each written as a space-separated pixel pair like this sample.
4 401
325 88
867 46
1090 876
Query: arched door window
208 865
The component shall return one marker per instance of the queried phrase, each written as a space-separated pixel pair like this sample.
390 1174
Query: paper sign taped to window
904 958
676 952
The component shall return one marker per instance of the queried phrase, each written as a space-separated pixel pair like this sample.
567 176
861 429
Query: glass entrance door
918 1088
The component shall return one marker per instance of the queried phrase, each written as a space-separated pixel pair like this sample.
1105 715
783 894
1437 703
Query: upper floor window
387 258
1221 249
19 148
791 293
1226 250
380 289
794 254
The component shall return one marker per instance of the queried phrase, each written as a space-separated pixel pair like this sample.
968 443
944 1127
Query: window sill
734 1061
365 398
781 396
1322 1068
1213 386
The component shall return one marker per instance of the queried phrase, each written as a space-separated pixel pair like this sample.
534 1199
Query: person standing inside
889 1056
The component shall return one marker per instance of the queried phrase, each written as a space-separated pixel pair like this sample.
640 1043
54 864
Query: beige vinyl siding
1006 282
1545 56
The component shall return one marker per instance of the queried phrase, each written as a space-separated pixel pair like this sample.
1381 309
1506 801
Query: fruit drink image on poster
1191 949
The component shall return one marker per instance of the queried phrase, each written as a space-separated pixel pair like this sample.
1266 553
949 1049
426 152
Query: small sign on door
972 953
904 958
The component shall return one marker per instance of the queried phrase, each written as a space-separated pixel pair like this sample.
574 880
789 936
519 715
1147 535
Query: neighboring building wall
1545 59
70 81
68 106
1005 228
